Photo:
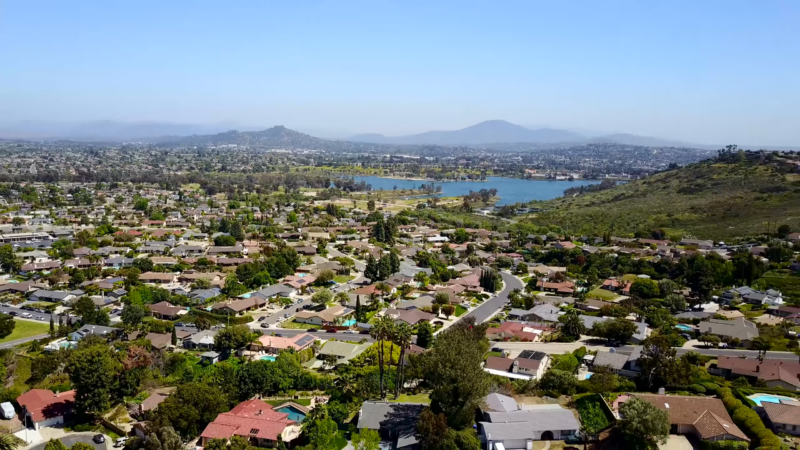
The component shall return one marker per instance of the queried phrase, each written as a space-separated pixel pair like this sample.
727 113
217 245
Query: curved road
492 306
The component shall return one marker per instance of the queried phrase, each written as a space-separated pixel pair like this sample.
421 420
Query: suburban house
202 340
619 361
520 330
254 420
539 313
518 429
43 408
561 288
749 295
783 417
239 306
395 422
166 310
274 344
157 278
344 352
615 285
409 316
43 295
741 329
276 290
774 373
95 330
528 365
326 316
704 417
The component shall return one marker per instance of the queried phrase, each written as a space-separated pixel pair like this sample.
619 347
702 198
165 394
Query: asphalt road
750 354
333 253
490 307
72 439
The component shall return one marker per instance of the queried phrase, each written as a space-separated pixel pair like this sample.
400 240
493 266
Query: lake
510 190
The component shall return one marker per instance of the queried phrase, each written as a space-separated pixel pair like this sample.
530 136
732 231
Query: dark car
331 330
262 318
99 438
13 313
312 330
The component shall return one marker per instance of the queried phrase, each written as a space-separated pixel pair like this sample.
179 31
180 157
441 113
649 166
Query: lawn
498 354
341 279
297 325
601 294
26 329
340 441
299 401
413 398
630 277
460 311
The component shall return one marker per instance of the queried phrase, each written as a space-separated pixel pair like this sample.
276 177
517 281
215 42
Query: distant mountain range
493 134
502 132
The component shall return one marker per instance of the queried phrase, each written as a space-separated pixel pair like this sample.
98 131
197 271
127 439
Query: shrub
711 388
697 389
748 420
723 445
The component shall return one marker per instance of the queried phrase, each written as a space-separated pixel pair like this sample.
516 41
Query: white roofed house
518 429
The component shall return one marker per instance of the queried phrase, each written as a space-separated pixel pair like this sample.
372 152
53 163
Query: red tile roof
43 404
250 418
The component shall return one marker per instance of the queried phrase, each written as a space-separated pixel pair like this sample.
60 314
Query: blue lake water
510 190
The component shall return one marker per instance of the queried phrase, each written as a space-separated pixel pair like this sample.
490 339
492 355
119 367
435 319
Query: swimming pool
588 375
349 323
294 413
761 398
683 327
267 358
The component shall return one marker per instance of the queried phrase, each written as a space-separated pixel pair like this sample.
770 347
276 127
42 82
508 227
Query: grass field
601 294
412 398
299 401
341 279
291 324
26 329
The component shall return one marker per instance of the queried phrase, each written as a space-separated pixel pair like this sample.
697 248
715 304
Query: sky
712 71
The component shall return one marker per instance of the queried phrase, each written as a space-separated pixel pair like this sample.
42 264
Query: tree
709 339
643 425
615 330
384 268
432 429
8 260
455 374
320 430
783 230
371 205
97 317
366 439
157 439
237 232
763 345
322 297
521 269
81 446
402 337
216 444
55 444
425 335
143 264
660 365
343 299
189 409
233 337
572 326
645 288
381 331
558 382
84 306
7 325
324 278
372 271
460 236
489 280
225 240
133 314
93 372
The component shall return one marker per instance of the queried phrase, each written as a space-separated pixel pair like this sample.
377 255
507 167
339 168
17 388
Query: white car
26 315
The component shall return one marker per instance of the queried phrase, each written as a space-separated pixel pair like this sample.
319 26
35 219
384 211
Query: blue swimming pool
350 323
683 327
294 413
761 398
267 358
588 375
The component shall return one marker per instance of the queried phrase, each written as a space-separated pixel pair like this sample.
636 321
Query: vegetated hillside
277 135
714 199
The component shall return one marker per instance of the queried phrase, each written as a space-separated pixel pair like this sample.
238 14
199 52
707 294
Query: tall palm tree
378 331
402 336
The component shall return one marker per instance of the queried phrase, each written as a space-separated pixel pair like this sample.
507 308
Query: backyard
601 294
26 329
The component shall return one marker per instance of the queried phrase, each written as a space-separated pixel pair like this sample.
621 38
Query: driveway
676 442
73 438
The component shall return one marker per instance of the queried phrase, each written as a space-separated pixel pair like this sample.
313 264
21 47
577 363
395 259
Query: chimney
661 391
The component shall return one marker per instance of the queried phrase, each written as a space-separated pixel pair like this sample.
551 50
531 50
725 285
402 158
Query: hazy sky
701 71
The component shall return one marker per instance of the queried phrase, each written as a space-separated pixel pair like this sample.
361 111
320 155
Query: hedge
234 320
723 445
749 421
743 397
593 412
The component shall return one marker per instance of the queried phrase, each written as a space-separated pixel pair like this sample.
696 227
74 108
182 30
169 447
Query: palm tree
402 337
342 298
7 442
378 331
572 325
763 345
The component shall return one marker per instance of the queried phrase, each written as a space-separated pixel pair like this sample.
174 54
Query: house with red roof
254 420
45 408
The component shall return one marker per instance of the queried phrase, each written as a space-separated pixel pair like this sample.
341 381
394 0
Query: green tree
133 315
366 439
8 260
81 446
661 366
322 297
189 409
84 306
372 271
645 288
157 439
763 345
709 340
7 325
643 426
55 444
489 280
381 332
402 338
144 264
233 338
216 444
237 231
572 326
320 430
455 374
425 335
97 316
343 299
460 236
615 330
432 429
93 372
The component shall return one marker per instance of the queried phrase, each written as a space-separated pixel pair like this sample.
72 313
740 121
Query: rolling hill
712 199
277 136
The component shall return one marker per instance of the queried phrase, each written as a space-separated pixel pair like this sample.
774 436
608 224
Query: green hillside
715 199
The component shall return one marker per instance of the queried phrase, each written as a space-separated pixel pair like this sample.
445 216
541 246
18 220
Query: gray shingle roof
400 418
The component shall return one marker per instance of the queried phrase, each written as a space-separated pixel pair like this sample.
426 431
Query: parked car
264 325
99 438
7 410
262 318
332 330
312 330
26 315
120 442
13 313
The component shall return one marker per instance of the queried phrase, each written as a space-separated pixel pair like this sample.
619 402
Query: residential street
492 306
